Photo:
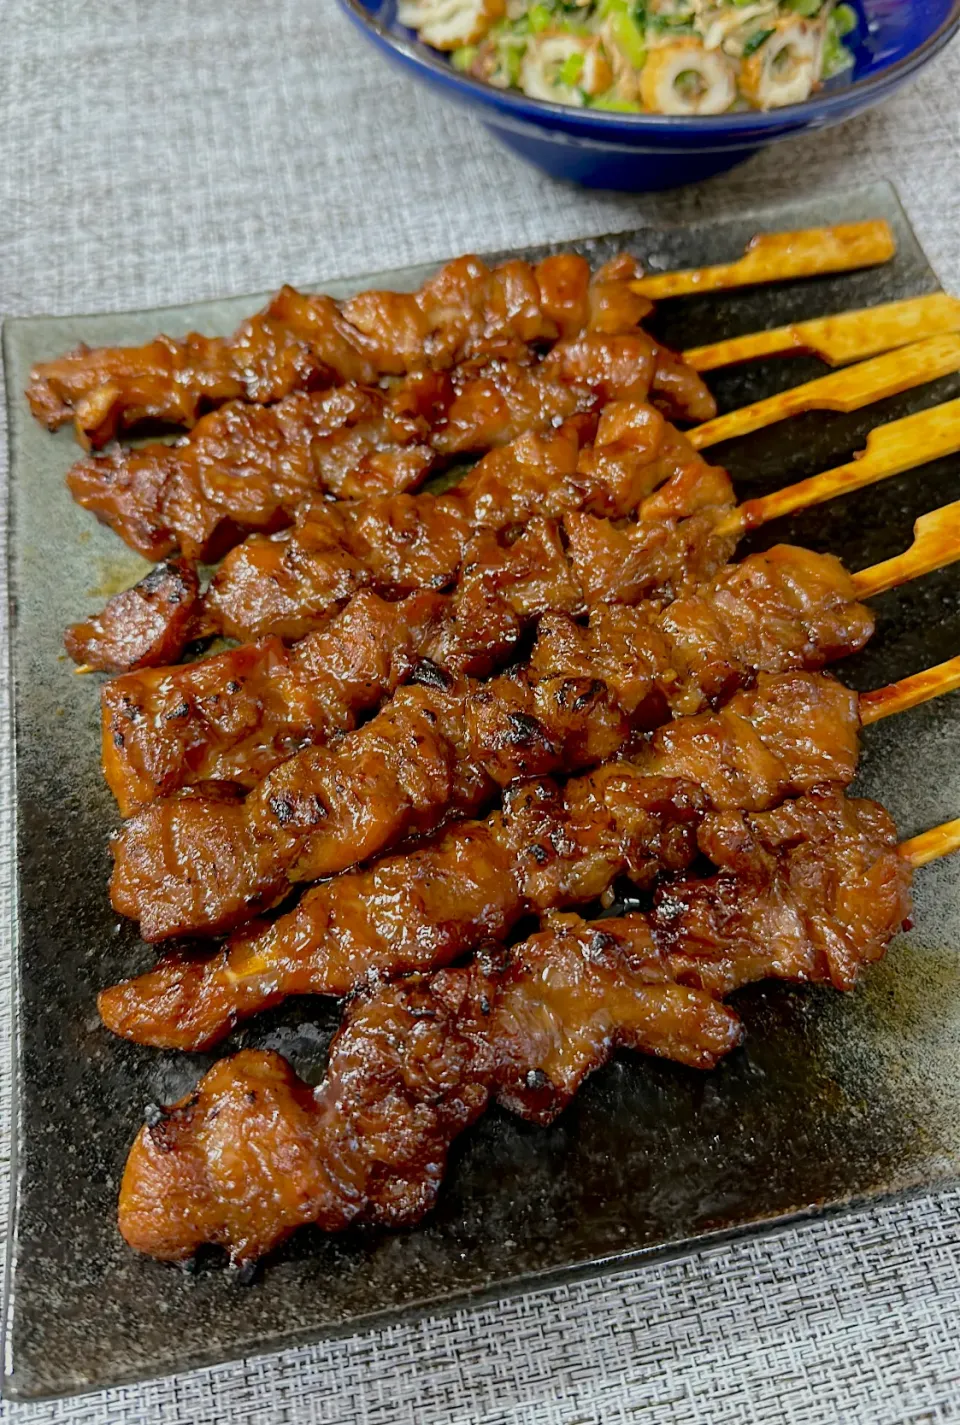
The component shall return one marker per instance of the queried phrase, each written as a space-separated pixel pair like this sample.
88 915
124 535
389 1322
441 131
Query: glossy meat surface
636 464
246 467
236 715
232 717
199 864
545 850
301 342
143 626
811 891
283 585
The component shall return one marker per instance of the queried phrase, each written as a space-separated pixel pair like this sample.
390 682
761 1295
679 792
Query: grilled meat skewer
245 468
298 342
811 891
234 716
287 585
168 729
440 750
546 849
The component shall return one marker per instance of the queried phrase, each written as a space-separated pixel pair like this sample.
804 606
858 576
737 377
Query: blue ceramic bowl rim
755 122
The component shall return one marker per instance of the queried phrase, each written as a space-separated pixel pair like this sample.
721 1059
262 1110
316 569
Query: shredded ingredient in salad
644 56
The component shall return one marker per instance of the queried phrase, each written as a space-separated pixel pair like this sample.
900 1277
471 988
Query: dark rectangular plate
834 1101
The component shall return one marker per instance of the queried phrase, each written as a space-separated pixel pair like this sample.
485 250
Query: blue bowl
641 152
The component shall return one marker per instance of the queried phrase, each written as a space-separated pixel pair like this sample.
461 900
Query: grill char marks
251 708
441 746
545 850
246 468
416 1063
473 536
147 625
467 312
401 543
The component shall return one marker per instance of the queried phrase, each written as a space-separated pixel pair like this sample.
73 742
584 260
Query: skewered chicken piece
406 542
811 892
234 716
246 467
319 808
440 749
298 342
287 585
546 849
142 627
281 587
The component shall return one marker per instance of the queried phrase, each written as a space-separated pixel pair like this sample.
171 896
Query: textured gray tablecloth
165 151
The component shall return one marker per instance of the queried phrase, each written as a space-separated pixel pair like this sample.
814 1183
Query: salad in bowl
675 57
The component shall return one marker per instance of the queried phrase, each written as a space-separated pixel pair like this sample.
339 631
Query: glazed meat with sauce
546 849
235 716
245 468
298 342
147 625
202 862
284 585
248 467
287 585
811 891
439 751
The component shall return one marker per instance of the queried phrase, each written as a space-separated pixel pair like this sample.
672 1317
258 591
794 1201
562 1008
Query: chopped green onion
844 19
540 18
807 8
758 38
570 70
512 62
675 24
463 57
836 55
630 39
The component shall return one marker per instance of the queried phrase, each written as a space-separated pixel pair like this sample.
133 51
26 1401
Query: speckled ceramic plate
834 1101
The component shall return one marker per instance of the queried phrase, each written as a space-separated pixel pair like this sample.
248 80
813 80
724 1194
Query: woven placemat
156 153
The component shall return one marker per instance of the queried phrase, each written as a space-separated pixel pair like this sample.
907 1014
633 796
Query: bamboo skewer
910 692
891 450
776 257
846 390
850 336
936 543
932 845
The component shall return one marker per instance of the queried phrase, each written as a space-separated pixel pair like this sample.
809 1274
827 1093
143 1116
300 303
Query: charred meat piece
237 715
141 627
285 584
298 342
245 468
405 542
811 891
791 734
288 584
234 716
438 750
